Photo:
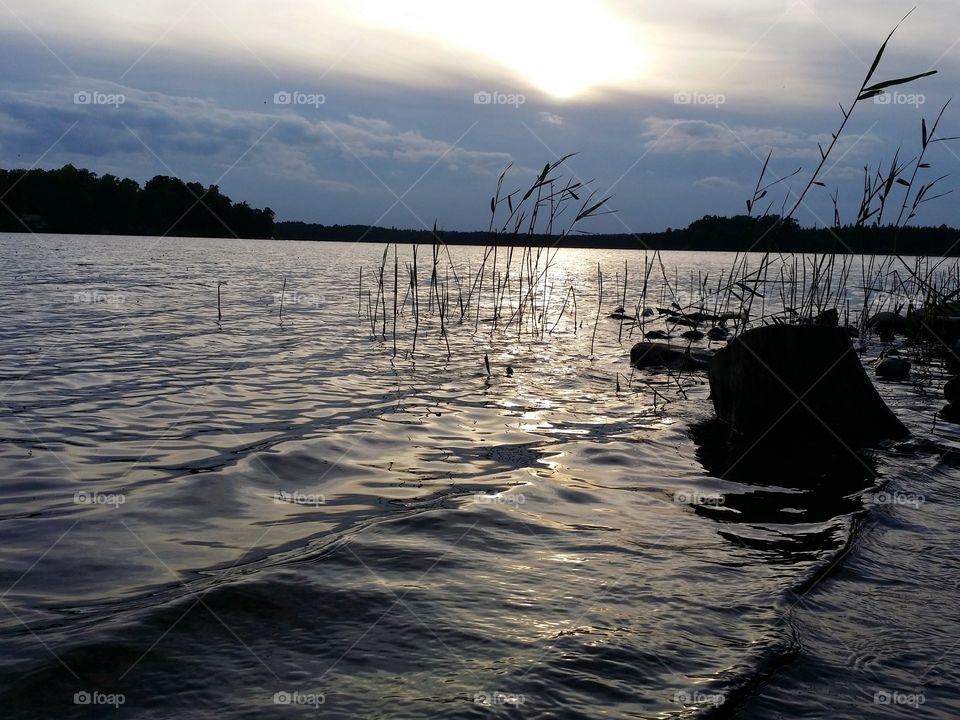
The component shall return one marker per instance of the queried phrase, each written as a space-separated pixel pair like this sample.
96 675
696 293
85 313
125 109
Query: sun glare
564 49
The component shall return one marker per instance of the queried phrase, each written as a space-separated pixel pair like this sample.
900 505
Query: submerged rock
647 354
718 333
692 335
798 384
893 368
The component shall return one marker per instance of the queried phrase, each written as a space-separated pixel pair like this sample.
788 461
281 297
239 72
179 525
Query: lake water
249 518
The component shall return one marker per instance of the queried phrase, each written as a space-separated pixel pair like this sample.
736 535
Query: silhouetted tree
70 200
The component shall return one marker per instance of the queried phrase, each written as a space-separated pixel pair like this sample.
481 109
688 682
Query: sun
562 48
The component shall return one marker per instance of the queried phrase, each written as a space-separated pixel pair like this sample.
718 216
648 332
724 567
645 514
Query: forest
77 201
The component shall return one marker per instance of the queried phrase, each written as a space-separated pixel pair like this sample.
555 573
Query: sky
403 114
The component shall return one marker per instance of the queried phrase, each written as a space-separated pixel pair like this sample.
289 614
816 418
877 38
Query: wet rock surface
649 354
798 383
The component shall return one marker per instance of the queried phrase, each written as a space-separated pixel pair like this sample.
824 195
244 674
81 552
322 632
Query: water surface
252 518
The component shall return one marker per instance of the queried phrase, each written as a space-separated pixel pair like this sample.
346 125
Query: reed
514 285
593 340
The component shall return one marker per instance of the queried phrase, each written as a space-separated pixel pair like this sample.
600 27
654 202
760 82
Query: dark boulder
951 411
951 391
893 368
798 384
647 354
937 322
888 324
830 318
951 355
692 335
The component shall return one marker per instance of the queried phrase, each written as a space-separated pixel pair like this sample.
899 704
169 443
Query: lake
256 517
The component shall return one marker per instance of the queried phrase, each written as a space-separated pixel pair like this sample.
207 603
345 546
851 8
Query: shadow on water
798 504
793 495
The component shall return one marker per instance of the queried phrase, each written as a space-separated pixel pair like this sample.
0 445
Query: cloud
683 136
549 118
364 137
184 134
715 182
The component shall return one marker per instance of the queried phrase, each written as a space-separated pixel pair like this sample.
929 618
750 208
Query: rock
852 331
718 333
830 318
798 384
692 335
951 413
648 312
951 356
951 391
940 321
646 354
888 324
619 314
893 368
657 335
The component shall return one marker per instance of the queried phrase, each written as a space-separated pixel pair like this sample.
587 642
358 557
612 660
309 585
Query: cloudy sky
400 113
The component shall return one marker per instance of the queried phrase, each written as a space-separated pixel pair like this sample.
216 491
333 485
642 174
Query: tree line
72 200
710 233
77 201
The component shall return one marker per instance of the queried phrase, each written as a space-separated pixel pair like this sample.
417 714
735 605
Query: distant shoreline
75 201
640 242
709 234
